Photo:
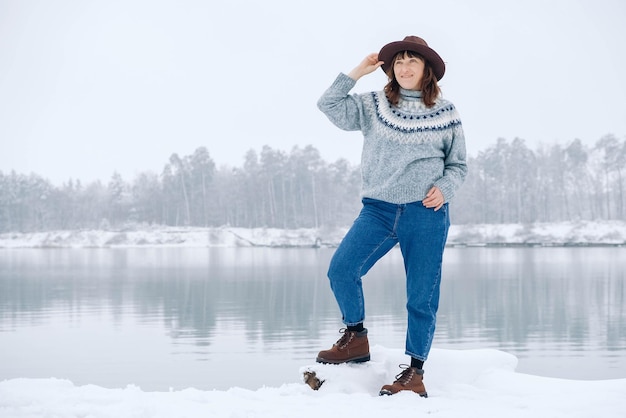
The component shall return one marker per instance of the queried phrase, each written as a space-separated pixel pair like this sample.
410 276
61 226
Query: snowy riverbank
542 234
461 383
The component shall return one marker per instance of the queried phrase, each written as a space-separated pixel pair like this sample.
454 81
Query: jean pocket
370 201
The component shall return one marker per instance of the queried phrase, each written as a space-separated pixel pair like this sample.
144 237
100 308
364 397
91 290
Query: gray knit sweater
407 149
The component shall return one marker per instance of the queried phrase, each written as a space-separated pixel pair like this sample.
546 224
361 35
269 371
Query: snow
540 234
460 383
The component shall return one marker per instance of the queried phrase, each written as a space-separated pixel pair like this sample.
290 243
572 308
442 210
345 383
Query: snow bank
541 234
175 237
554 234
470 383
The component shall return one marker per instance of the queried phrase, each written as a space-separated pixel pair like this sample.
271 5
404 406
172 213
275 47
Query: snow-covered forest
507 183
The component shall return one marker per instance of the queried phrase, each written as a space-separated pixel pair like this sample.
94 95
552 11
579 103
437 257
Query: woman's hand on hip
434 198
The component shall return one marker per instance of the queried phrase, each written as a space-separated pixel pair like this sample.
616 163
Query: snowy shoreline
579 233
461 383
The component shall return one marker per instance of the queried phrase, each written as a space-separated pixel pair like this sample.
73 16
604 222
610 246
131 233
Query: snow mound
444 369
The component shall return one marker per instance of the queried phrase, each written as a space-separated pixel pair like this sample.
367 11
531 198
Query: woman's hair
428 84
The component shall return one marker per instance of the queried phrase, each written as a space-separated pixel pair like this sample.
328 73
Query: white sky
92 87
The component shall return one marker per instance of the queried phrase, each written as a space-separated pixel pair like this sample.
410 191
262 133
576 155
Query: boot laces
406 375
345 338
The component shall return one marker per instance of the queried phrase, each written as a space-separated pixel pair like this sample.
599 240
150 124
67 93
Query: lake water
214 318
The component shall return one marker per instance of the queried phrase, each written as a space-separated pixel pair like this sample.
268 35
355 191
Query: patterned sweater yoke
412 116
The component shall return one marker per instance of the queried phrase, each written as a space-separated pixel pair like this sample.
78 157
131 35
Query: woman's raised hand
369 64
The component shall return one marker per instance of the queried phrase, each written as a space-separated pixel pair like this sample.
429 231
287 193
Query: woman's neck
410 93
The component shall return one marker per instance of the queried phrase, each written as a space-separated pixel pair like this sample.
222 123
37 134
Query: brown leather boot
411 378
352 347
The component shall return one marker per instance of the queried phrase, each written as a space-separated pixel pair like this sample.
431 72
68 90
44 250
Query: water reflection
557 309
197 317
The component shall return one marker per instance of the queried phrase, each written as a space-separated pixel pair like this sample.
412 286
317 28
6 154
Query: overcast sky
92 87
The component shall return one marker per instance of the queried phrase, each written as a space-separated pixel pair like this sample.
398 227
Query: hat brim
388 51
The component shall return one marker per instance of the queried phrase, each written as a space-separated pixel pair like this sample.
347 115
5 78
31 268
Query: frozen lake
214 318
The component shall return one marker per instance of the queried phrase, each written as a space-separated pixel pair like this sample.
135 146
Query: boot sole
354 360
389 393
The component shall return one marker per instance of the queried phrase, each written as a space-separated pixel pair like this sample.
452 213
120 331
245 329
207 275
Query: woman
413 161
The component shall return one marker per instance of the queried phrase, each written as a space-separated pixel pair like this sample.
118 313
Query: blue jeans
422 234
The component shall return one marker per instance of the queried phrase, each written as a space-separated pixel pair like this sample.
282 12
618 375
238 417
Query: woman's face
408 71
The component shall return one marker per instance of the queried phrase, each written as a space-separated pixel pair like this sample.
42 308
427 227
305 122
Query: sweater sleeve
342 109
455 166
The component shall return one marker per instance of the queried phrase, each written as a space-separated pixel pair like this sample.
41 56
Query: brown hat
415 44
